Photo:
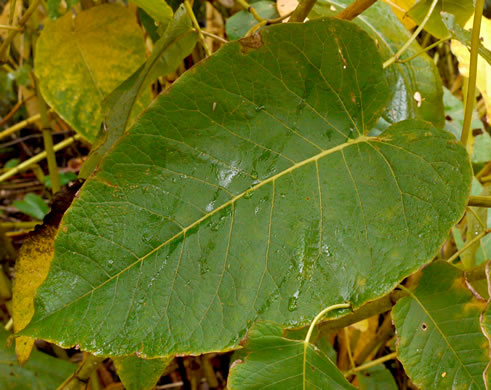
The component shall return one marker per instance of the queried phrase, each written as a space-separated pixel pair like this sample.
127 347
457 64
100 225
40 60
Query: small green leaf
65 178
462 10
32 205
440 341
140 374
240 23
41 372
376 378
277 363
79 60
12 163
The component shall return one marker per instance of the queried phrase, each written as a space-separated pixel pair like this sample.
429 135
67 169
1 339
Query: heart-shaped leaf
250 190
276 362
440 341
79 60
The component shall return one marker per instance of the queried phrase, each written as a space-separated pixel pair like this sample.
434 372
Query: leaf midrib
337 148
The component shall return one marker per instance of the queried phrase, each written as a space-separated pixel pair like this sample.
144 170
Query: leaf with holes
440 342
251 190
276 362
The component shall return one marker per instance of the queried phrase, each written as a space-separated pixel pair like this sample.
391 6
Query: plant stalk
371 364
19 126
22 21
355 9
81 376
41 156
48 141
471 91
467 246
479 201
396 56
302 11
306 342
422 51
191 14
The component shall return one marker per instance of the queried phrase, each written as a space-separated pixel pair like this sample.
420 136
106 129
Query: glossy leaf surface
440 341
405 80
39 373
81 60
275 362
248 191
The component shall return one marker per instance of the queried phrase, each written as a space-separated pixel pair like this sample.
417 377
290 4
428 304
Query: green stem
422 51
396 56
471 91
191 14
48 142
19 225
306 342
7 27
371 364
19 126
479 201
244 4
302 11
81 376
467 246
12 11
41 156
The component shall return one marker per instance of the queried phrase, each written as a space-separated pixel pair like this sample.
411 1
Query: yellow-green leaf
81 59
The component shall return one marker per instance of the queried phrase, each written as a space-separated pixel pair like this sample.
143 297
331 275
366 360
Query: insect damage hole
424 327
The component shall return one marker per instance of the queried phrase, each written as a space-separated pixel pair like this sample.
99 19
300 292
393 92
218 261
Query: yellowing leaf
400 8
483 68
80 60
31 269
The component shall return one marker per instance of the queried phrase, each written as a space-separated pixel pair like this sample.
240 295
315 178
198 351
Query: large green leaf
250 190
419 75
276 362
461 9
176 43
39 373
140 374
440 341
79 60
